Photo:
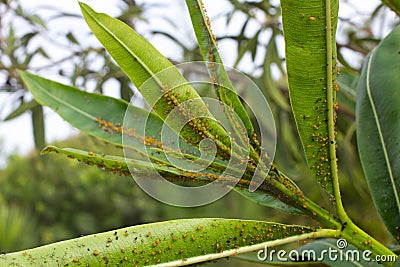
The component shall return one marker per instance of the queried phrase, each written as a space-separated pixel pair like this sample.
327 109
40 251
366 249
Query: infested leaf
142 62
225 91
173 243
311 69
98 115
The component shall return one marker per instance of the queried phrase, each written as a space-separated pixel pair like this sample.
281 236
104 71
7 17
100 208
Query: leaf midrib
378 125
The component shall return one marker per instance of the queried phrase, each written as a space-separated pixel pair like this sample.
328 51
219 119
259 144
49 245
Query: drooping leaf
25 39
309 31
247 45
141 169
378 128
172 243
35 19
120 165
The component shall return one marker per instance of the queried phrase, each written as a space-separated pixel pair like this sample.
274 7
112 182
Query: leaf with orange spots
309 32
98 115
378 128
172 243
159 81
224 88
103 117
115 164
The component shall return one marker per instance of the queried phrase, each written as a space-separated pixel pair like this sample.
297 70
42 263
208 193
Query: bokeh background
44 199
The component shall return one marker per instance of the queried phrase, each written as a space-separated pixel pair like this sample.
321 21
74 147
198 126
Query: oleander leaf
378 128
309 32
104 117
159 81
38 127
209 49
98 115
170 243
115 164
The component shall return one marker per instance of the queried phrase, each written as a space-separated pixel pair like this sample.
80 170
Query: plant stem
363 241
298 200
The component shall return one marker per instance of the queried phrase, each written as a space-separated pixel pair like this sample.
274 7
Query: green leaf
179 242
224 89
25 106
209 50
115 164
347 81
27 38
98 115
309 31
166 89
378 127
70 36
38 127
35 19
135 55
138 168
119 165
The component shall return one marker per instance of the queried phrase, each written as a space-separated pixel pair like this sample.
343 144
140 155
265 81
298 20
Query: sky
16 135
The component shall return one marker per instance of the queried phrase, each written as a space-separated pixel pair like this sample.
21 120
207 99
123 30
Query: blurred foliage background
45 199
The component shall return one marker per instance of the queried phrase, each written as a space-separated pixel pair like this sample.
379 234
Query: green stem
298 200
363 241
